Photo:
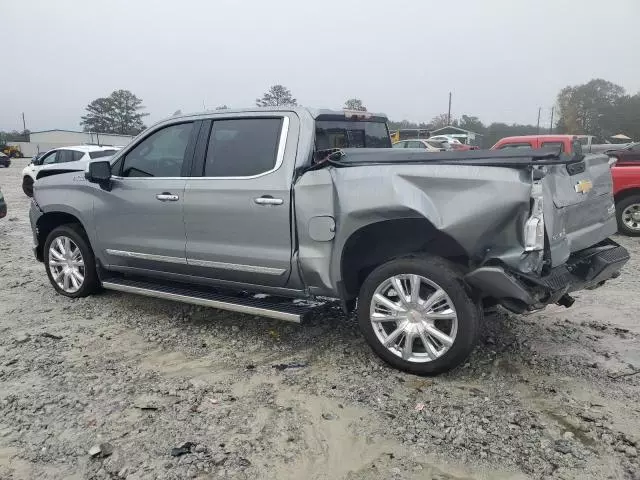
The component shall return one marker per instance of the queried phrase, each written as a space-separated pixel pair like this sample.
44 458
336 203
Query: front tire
69 261
628 216
416 315
27 186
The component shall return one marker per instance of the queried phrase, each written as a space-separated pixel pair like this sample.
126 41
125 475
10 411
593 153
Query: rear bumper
586 269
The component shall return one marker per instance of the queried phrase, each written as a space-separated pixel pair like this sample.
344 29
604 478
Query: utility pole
24 125
551 126
538 124
449 113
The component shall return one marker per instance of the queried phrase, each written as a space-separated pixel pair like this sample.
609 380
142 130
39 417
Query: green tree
276 96
355 104
472 124
591 108
119 113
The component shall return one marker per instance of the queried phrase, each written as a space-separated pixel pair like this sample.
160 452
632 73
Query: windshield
351 134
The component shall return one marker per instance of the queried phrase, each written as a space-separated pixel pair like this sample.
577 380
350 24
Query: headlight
534 227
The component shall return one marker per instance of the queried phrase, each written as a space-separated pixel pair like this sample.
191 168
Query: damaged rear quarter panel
482 208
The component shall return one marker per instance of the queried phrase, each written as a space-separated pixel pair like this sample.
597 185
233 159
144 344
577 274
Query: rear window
435 144
102 153
351 134
553 145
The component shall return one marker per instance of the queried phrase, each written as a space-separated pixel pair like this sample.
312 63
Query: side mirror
98 172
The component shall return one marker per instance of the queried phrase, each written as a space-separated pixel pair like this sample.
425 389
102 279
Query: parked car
205 208
422 143
3 206
5 160
453 143
627 154
75 157
625 174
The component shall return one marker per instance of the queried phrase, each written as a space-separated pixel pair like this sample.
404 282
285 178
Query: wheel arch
627 192
48 222
379 242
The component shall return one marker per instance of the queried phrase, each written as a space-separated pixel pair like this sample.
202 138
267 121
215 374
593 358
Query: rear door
237 206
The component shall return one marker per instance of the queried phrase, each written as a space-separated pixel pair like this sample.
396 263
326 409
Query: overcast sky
502 59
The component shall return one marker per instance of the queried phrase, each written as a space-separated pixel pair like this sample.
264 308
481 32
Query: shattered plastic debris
182 449
419 407
285 366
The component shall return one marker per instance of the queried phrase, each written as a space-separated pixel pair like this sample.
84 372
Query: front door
139 221
238 206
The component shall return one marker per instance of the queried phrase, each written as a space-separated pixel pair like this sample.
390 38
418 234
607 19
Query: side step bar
271 307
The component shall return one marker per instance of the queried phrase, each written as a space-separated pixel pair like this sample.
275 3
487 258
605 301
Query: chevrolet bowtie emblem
583 186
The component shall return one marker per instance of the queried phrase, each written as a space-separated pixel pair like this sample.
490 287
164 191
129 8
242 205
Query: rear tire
628 216
69 261
27 186
438 325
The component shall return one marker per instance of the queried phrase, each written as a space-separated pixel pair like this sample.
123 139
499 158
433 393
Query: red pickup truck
625 173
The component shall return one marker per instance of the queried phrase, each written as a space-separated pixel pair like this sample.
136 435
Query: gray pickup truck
268 211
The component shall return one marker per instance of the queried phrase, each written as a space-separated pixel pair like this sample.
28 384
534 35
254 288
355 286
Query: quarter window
242 147
161 154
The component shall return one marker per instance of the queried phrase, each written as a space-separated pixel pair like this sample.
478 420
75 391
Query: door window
415 145
516 145
161 154
65 156
49 158
242 147
400 145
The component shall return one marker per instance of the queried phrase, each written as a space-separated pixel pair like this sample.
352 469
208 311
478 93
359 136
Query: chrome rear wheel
413 318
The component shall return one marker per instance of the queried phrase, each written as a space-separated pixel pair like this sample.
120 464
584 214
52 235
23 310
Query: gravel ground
549 395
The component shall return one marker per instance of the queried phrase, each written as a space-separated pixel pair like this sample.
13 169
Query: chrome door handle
268 201
167 197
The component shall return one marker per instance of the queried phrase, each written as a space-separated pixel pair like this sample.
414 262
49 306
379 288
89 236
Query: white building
48 139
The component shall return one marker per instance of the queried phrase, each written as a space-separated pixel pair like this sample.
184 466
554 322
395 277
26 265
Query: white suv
72 157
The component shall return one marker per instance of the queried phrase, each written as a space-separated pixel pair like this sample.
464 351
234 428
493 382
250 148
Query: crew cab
248 210
625 171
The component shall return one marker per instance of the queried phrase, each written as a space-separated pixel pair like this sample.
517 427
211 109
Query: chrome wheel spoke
415 289
393 336
442 337
378 317
382 300
429 349
399 288
407 349
446 315
435 298
66 282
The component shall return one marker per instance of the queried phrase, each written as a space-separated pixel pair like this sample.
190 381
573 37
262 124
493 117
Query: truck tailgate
579 209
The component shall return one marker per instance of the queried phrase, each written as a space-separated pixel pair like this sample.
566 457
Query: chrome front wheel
66 264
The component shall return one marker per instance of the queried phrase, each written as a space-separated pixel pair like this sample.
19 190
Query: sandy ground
550 395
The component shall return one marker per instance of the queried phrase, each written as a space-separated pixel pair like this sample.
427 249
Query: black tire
449 279
78 236
27 186
621 206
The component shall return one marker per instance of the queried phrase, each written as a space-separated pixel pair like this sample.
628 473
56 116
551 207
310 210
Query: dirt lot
549 395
